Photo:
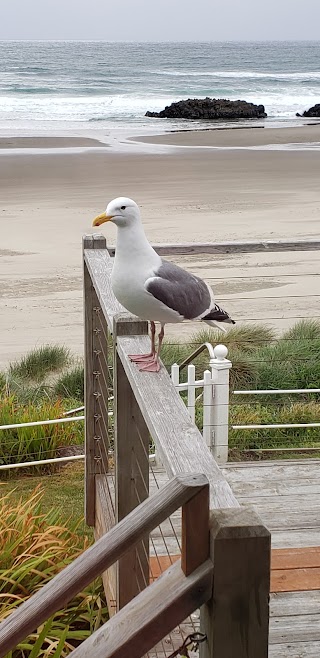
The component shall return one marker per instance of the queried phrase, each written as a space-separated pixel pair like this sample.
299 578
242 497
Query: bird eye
123 207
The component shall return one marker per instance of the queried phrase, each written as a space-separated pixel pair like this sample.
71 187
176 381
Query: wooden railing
182 588
235 620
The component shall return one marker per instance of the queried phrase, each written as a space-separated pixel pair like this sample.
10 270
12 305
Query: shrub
35 547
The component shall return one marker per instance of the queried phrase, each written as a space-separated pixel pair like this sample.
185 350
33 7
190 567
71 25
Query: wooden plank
236 619
160 563
286 579
295 558
178 441
280 518
284 604
265 489
152 614
90 244
96 559
295 628
133 568
272 470
195 544
291 537
104 521
289 580
232 247
295 650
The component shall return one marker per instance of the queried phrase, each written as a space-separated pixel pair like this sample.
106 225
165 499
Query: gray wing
180 290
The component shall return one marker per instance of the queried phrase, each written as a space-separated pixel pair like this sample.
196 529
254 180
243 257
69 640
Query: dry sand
200 195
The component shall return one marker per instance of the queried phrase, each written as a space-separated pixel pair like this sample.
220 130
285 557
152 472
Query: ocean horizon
88 85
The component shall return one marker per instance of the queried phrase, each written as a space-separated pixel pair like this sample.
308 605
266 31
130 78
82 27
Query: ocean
70 85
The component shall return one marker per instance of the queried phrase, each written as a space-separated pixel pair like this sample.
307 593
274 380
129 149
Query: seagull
152 288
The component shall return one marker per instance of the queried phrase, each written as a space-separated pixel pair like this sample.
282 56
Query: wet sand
237 138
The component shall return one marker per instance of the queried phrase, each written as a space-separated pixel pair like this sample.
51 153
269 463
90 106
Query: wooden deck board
286 495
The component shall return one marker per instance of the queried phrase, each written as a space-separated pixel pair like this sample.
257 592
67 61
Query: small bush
34 547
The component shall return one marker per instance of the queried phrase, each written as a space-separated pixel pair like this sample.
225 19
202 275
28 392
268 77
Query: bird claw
141 358
152 366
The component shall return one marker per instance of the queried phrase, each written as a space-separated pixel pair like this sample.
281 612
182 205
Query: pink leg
154 365
145 358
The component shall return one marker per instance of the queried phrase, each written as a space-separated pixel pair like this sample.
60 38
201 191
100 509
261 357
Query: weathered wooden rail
146 406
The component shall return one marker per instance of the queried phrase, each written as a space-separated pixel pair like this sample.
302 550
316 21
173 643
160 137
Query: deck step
292 569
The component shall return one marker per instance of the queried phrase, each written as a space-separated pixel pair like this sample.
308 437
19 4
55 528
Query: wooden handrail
99 265
239 542
151 615
80 573
179 443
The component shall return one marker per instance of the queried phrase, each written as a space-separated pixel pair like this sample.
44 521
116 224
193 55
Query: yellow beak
101 219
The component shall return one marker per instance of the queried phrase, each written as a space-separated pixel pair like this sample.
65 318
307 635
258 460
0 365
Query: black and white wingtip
216 317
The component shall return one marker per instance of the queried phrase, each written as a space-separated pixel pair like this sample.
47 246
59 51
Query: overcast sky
160 20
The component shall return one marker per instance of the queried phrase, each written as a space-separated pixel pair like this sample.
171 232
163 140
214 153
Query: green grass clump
71 384
34 547
291 362
41 362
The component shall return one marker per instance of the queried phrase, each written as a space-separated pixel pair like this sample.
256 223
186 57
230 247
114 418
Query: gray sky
160 20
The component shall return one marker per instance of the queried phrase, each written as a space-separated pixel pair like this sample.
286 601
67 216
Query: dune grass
71 384
41 362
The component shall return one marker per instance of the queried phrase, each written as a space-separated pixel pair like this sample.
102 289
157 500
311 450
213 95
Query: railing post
90 242
220 367
236 619
131 464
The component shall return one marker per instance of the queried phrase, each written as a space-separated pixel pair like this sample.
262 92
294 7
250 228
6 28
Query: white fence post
192 391
220 367
207 423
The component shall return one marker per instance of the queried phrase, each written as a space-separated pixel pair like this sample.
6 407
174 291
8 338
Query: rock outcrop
210 108
312 112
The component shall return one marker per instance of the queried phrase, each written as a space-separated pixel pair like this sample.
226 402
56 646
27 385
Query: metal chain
191 643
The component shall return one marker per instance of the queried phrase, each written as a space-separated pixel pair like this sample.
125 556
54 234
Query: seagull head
121 211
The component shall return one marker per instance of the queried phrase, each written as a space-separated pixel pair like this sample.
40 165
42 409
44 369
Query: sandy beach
186 195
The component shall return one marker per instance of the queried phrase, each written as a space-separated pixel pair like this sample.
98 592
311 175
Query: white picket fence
215 404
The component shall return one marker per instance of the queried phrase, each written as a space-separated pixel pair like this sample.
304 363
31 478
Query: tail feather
217 315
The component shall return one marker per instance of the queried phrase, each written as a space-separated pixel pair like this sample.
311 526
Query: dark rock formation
210 108
312 112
